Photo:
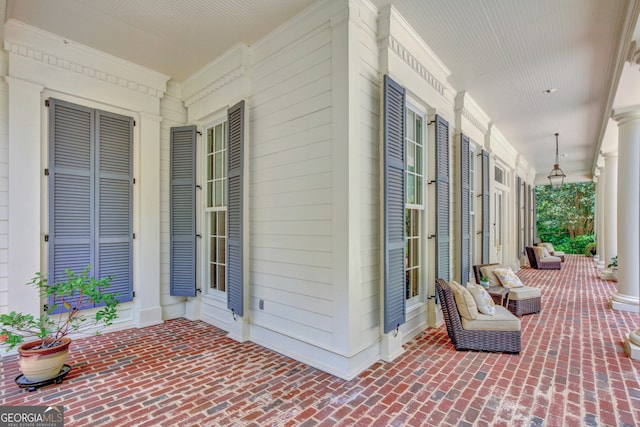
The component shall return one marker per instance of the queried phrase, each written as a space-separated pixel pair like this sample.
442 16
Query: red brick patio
572 372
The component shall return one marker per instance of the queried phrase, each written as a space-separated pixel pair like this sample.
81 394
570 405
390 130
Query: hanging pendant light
556 176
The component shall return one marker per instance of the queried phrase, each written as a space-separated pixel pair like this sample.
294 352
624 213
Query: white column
147 225
26 176
599 226
609 214
629 257
627 296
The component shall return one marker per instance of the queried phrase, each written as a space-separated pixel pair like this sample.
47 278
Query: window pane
415 289
221 279
222 216
218 167
209 194
212 276
410 188
209 140
218 137
212 223
410 125
418 190
221 250
411 157
214 251
418 136
415 222
209 167
218 193
418 159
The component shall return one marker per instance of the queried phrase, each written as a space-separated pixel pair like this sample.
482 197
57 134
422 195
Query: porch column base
148 316
391 347
632 345
624 303
606 274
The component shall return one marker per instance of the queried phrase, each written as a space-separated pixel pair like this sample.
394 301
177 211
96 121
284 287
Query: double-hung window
414 161
216 205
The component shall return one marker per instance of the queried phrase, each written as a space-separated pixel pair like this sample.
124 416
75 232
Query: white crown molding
235 74
75 67
473 120
413 62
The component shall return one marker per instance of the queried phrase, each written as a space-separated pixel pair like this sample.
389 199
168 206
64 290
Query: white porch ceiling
504 53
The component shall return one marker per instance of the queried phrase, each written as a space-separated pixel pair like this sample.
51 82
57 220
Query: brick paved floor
572 372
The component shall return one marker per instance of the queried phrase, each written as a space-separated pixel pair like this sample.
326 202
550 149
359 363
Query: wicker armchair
506 341
519 301
546 263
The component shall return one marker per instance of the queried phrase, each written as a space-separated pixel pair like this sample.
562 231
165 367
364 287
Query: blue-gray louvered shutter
527 214
394 204
71 190
182 222
235 168
485 208
520 216
534 223
443 241
465 218
114 202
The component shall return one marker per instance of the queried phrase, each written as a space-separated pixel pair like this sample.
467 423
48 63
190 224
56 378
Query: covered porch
572 371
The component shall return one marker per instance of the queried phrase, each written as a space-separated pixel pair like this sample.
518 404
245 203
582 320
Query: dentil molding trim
228 78
74 67
415 64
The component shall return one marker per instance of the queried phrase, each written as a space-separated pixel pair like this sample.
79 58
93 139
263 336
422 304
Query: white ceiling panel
504 53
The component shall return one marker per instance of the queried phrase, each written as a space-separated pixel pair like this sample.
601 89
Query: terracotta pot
45 363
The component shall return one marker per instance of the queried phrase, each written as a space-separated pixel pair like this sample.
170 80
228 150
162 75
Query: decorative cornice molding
466 113
75 67
414 63
228 78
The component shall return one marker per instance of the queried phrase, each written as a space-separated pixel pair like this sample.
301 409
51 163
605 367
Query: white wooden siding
4 186
290 186
173 114
369 169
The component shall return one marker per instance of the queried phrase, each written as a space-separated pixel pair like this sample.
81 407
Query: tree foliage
565 217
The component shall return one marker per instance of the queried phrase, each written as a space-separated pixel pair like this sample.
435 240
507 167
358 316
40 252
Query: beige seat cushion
464 301
523 293
557 253
503 320
540 251
487 270
550 259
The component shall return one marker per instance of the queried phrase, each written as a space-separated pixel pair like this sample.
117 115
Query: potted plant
590 249
484 281
43 342
613 266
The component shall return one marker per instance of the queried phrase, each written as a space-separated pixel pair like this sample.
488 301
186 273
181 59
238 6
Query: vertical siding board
520 214
443 269
235 167
465 253
394 204
485 208
182 223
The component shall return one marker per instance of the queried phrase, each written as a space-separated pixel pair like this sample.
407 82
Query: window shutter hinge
134 235
46 103
46 237
46 171
133 294
134 180
134 123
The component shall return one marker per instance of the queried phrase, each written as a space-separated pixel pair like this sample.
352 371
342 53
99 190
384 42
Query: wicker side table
499 294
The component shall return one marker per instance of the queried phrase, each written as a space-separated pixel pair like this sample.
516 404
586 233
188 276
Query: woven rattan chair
547 263
518 305
481 340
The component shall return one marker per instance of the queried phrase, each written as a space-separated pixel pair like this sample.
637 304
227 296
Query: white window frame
414 300
473 202
213 210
